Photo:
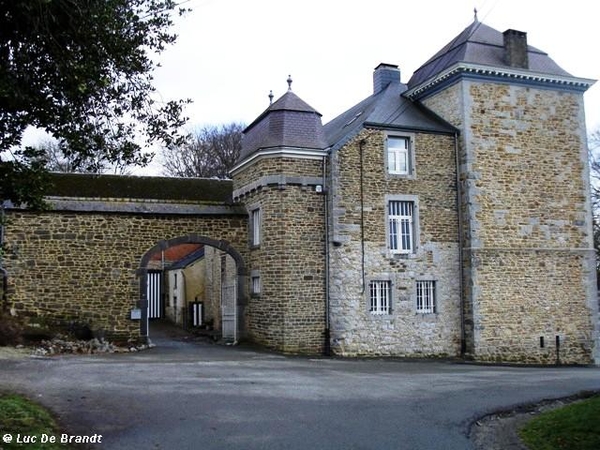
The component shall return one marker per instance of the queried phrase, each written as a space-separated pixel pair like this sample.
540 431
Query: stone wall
77 266
528 261
220 269
289 312
360 215
276 167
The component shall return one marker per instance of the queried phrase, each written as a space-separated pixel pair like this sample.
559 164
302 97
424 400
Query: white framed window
426 303
255 279
380 302
255 226
398 155
401 226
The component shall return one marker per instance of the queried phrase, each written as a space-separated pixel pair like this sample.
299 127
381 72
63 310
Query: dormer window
398 155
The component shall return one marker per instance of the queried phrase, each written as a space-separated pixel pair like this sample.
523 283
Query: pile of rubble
63 345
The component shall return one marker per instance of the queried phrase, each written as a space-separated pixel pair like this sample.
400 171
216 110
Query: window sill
404 176
427 317
403 255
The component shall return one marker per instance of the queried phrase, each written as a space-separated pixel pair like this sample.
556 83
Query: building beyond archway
232 293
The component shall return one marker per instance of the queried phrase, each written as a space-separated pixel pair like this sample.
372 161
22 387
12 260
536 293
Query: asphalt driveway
190 395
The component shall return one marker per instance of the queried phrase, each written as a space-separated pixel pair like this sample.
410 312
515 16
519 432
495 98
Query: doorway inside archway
194 283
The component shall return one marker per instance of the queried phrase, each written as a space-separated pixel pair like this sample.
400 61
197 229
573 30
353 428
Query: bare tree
57 157
594 157
594 149
209 152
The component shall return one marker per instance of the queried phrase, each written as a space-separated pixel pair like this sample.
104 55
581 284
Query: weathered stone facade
288 313
280 179
360 187
528 239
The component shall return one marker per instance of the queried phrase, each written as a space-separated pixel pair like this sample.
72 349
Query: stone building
445 217
448 216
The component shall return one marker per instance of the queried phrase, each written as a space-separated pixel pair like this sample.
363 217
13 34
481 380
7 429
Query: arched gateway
80 261
236 312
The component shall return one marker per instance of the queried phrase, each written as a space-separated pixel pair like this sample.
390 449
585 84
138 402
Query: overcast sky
231 53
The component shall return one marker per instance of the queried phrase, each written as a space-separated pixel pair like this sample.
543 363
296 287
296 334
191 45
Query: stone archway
241 294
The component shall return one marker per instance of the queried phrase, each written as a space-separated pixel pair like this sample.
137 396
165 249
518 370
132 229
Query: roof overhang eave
279 151
479 71
382 126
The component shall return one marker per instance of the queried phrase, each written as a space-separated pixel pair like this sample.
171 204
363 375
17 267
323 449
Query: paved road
183 395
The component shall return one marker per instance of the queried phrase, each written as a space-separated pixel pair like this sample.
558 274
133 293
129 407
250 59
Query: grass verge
573 427
21 416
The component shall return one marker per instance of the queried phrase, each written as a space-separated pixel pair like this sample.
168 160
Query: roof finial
475 19
270 97
289 82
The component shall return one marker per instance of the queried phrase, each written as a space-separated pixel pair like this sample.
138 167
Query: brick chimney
383 75
515 49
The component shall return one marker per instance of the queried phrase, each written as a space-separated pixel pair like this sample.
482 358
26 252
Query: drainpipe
327 346
361 146
461 290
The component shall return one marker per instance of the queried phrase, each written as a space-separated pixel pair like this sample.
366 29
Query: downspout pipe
461 290
327 344
361 147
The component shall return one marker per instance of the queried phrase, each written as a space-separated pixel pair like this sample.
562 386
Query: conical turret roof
288 122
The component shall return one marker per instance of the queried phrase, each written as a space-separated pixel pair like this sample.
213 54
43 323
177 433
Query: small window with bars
426 302
401 226
380 302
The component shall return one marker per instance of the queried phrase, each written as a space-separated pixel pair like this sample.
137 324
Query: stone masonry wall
528 223
277 166
219 269
82 266
355 331
289 313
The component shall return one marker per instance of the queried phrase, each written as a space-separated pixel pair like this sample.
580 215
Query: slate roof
386 109
135 187
481 45
288 122
188 259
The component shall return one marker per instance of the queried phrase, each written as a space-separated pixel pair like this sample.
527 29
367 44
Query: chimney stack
383 75
515 49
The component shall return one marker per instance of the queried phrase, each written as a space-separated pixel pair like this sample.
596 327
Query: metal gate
197 314
229 312
154 294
